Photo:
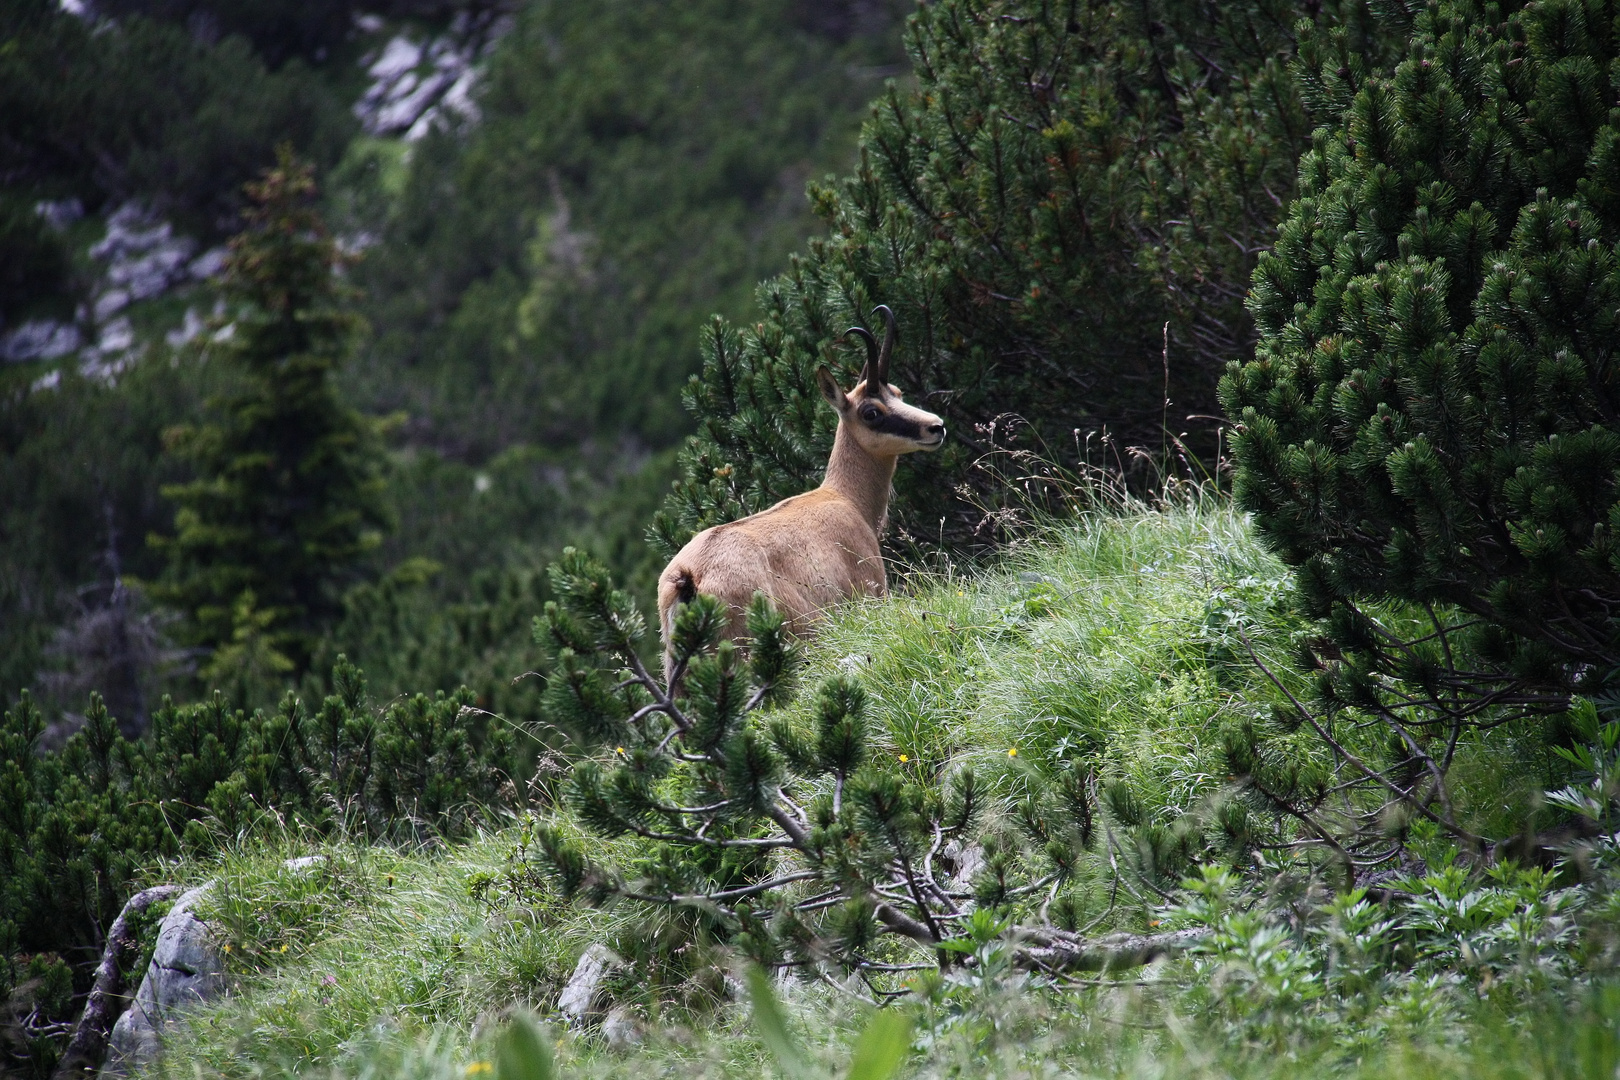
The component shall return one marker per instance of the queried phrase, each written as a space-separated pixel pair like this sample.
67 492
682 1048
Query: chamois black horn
889 334
870 370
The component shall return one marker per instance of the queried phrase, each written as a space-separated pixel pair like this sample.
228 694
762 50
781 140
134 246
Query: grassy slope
1112 639
1112 636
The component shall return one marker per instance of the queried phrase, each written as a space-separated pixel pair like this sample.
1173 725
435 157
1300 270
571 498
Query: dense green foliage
776 87
286 497
638 165
1064 180
80 826
680 214
1431 411
392 956
1360 815
104 113
81 469
143 110
278 29
998 781
399 930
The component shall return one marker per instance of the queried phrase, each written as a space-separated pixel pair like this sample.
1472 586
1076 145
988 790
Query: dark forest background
530 279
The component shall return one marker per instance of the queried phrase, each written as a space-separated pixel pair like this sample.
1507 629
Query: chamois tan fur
814 550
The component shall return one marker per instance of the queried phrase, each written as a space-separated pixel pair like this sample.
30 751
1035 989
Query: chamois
812 550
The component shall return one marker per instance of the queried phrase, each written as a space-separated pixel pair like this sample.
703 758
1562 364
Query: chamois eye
870 414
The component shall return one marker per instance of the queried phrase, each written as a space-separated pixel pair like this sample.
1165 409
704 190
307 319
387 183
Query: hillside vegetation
1245 702
1119 633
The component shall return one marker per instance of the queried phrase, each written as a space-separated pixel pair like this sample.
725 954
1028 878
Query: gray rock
143 254
208 263
398 58
40 339
585 984
111 303
185 971
130 231
962 860
147 275
415 85
621 1029
59 213
112 354
116 336
189 328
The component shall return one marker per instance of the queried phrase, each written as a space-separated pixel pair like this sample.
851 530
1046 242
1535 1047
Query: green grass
371 946
1116 638
1119 637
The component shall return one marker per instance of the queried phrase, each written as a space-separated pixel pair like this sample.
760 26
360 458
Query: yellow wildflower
1012 751
904 759
479 1067
619 750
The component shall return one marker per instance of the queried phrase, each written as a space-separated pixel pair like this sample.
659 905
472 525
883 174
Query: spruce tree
1428 429
287 497
1063 211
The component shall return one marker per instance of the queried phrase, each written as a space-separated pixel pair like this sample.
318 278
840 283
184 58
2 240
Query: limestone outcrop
186 969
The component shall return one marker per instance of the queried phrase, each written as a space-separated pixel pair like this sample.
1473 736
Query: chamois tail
678 587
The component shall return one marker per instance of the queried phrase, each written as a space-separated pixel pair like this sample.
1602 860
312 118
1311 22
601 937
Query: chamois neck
860 477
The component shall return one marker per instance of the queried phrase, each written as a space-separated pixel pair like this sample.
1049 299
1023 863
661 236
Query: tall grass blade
522 1053
772 1025
882 1048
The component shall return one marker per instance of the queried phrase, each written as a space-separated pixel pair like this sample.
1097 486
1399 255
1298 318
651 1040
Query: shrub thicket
106 111
636 166
813 835
77 827
1062 182
1430 415
142 109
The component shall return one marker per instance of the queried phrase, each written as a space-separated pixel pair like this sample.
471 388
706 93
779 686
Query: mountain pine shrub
1430 416
287 497
79 825
1063 211
786 834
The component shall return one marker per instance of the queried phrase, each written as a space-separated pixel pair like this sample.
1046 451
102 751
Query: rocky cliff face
417 81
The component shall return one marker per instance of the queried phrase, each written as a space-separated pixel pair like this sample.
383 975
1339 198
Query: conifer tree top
287 496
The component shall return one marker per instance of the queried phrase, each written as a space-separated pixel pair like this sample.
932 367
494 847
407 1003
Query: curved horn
870 370
889 335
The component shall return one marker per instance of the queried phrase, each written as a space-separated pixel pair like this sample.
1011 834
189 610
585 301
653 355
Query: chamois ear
830 389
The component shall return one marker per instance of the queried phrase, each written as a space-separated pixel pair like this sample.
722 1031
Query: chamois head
873 412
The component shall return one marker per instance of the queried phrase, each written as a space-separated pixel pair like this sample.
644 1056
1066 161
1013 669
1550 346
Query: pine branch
1056 951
